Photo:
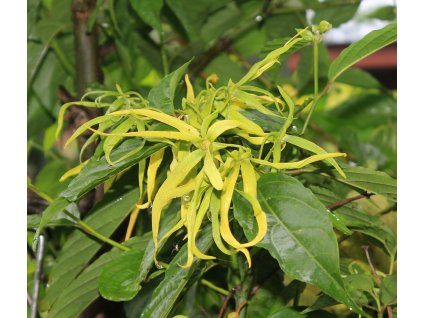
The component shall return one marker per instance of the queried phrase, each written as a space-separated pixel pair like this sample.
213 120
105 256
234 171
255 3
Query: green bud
324 26
308 35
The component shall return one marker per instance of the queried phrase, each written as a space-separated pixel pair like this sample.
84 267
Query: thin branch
238 310
226 301
366 251
345 201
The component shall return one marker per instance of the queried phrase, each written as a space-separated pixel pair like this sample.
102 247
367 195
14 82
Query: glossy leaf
80 248
82 291
371 181
369 44
149 12
176 278
98 171
118 280
300 235
357 220
162 95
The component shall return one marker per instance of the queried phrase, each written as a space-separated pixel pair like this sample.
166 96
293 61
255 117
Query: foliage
186 176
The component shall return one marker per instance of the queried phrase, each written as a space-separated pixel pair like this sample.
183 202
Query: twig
212 286
37 276
366 251
345 201
238 310
389 310
226 301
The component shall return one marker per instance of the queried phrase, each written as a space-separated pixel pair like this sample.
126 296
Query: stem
37 276
164 56
212 286
343 202
391 264
366 251
96 234
316 83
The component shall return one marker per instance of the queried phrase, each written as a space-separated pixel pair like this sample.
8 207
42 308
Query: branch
226 301
345 201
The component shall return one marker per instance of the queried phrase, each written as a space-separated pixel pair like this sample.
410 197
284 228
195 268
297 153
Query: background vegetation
137 43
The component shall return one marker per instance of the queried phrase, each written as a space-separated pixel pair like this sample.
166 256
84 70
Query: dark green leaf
336 14
80 248
358 77
369 44
371 181
360 221
300 234
98 171
149 12
176 277
219 22
162 95
82 291
193 14
321 302
388 290
118 280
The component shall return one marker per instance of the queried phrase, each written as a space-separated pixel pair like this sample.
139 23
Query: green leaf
388 290
82 291
369 44
33 221
279 42
383 13
360 281
47 180
98 171
176 278
193 14
300 235
149 12
162 95
167 221
321 302
286 313
360 221
358 77
80 248
51 212
371 181
118 280
336 14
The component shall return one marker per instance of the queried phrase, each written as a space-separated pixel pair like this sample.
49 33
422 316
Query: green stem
96 234
391 264
212 286
164 56
316 82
